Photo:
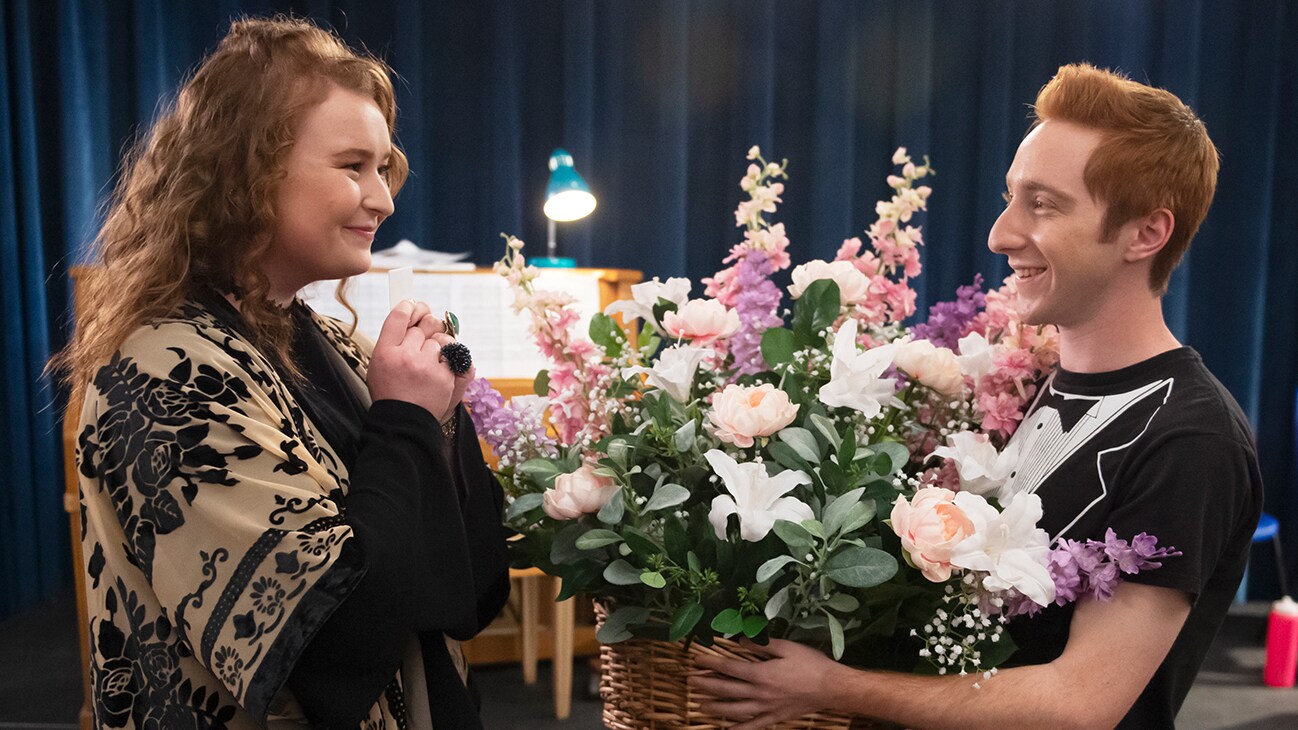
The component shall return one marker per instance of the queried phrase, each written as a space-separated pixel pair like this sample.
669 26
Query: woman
282 523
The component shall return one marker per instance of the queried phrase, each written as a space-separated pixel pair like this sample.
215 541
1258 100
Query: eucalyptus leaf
729 622
597 539
523 504
667 495
683 439
843 603
860 514
793 535
541 384
785 456
836 513
860 567
653 579
644 546
777 603
803 443
617 451
827 429
611 512
814 527
835 636
772 567
753 625
540 470
615 626
686 618
897 454
621 573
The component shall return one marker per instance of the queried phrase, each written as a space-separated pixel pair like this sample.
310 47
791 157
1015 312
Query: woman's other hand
407 366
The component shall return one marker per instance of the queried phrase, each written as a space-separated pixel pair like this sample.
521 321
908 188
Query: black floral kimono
244 570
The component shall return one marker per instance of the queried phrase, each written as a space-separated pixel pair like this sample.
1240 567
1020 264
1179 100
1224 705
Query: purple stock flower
1104 581
1067 575
756 305
947 321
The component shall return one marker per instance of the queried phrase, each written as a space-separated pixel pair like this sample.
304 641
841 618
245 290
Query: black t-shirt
1158 447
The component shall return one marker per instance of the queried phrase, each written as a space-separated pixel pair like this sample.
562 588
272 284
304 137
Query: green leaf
728 623
835 636
597 539
777 603
860 514
778 345
615 627
611 512
617 451
815 310
542 471
814 527
843 602
785 456
836 513
683 439
564 547
692 560
847 450
686 618
793 535
653 579
662 307
897 455
833 476
860 567
753 625
675 539
666 495
621 573
772 566
523 504
641 544
605 332
827 429
803 443
541 384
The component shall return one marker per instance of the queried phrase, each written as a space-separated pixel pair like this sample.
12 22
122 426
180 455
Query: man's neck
1118 336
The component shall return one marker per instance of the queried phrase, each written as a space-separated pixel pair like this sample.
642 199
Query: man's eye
1007 197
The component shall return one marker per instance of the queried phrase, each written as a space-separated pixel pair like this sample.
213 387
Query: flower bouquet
824 474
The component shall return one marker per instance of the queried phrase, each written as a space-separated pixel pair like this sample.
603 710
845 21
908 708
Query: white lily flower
855 377
757 498
1007 546
674 371
645 295
976 356
982 469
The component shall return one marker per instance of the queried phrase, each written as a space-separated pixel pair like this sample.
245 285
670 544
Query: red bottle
1281 644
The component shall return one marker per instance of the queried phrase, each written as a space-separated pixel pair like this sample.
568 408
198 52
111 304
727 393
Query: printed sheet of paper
401 286
500 339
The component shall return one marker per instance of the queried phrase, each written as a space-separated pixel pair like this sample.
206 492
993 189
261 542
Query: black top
432 550
1158 447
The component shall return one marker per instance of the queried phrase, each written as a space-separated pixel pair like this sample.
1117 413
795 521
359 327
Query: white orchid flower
1007 546
855 377
645 296
982 469
976 356
757 498
674 371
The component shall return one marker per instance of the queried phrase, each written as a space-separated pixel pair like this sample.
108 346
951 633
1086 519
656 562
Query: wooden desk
500 642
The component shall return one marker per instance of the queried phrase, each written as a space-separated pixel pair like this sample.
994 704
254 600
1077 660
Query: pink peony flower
701 320
740 413
930 526
934 367
852 284
576 494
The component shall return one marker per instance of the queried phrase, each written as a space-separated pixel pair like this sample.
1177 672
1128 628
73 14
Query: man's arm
1113 650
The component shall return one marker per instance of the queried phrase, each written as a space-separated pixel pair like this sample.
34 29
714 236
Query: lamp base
553 262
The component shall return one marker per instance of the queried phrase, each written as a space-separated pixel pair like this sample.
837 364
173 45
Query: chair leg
564 617
528 626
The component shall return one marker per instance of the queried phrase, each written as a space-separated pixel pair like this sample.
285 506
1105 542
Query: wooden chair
532 584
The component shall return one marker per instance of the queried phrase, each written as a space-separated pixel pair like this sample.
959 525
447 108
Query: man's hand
790 682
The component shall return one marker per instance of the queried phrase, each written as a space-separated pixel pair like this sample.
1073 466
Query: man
1132 433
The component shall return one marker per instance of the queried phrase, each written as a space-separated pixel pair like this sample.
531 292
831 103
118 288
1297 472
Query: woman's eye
354 166
385 171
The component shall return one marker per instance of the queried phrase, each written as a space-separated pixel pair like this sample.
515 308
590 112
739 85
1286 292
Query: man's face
1051 227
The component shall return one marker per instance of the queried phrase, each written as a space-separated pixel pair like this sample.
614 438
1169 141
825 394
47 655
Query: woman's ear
1150 234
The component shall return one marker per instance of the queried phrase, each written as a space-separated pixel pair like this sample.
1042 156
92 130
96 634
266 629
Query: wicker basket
644 686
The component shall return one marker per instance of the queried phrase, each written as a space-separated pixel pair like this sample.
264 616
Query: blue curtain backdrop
658 101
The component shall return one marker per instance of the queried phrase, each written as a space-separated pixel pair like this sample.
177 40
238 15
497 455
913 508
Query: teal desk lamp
567 198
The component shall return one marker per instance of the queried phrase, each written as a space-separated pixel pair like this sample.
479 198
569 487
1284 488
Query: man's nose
1004 236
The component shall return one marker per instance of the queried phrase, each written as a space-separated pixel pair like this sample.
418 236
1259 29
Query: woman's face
334 196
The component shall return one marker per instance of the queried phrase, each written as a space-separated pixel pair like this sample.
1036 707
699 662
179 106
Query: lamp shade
567 197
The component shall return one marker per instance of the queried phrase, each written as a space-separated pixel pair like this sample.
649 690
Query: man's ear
1149 234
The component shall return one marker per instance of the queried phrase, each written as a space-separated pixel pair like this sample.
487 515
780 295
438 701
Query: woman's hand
461 381
407 366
